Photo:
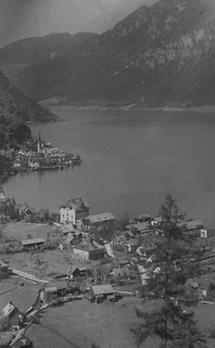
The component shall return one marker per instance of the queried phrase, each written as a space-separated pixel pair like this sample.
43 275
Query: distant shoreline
132 107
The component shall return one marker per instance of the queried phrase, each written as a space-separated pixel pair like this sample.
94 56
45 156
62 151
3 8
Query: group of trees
176 260
13 132
5 166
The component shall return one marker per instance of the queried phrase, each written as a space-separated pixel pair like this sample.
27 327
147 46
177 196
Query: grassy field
52 262
19 231
79 324
75 324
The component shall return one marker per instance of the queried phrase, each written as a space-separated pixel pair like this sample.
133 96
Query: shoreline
204 109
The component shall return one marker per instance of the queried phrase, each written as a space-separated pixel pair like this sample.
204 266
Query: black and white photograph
107 173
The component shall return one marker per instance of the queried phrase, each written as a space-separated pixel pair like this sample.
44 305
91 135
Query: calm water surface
131 160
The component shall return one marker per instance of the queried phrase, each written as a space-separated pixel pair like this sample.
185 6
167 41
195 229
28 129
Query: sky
24 18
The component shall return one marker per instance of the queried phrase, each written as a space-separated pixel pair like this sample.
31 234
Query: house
203 233
143 218
194 225
25 212
156 221
139 227
99 293
53 291
17 165
104 289
48 294
34 243
131 246
146 250
109 250
70 238
99 220
73 210
5 270
34 165
121 272
143 273
80 272
11 315
5 339
194 228
89 253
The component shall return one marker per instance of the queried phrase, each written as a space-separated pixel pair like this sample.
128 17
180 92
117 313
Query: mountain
39 49
159 55
17 107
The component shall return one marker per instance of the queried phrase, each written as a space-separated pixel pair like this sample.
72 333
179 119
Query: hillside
15 110
15 106
38 49
159 55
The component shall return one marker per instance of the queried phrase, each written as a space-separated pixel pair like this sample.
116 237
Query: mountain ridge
157 56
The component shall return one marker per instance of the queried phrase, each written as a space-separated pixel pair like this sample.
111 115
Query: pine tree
175 260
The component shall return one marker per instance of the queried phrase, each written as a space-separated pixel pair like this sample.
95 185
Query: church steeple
39 143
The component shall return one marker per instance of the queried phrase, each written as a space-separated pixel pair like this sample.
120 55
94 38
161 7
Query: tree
176 260
44 215
124 219
18 133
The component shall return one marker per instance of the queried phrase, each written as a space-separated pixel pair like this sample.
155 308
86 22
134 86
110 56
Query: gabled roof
69 238
139 227
33 241
191 225
75 203
102 289
8 309
103 217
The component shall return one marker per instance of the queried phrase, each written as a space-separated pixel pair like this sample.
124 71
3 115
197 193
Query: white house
73 210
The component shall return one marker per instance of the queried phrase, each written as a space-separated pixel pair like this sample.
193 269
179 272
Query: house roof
157 219
33 241
139 227
69 238
143 217
102 289
50 289
8 309
103 217
75 203
5 338
194 224
191 225
3 264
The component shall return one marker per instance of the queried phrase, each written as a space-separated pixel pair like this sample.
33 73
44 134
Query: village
42 156
74 258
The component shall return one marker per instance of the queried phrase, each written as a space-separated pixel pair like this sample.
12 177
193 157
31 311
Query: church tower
39 144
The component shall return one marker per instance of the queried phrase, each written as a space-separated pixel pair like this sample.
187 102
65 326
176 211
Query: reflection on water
131 160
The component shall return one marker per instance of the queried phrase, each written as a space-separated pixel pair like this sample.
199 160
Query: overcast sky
24 18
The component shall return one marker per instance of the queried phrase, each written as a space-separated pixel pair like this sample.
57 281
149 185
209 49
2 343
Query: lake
131 160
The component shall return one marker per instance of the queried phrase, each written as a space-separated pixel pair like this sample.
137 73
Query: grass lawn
19 231
52 262
81 323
